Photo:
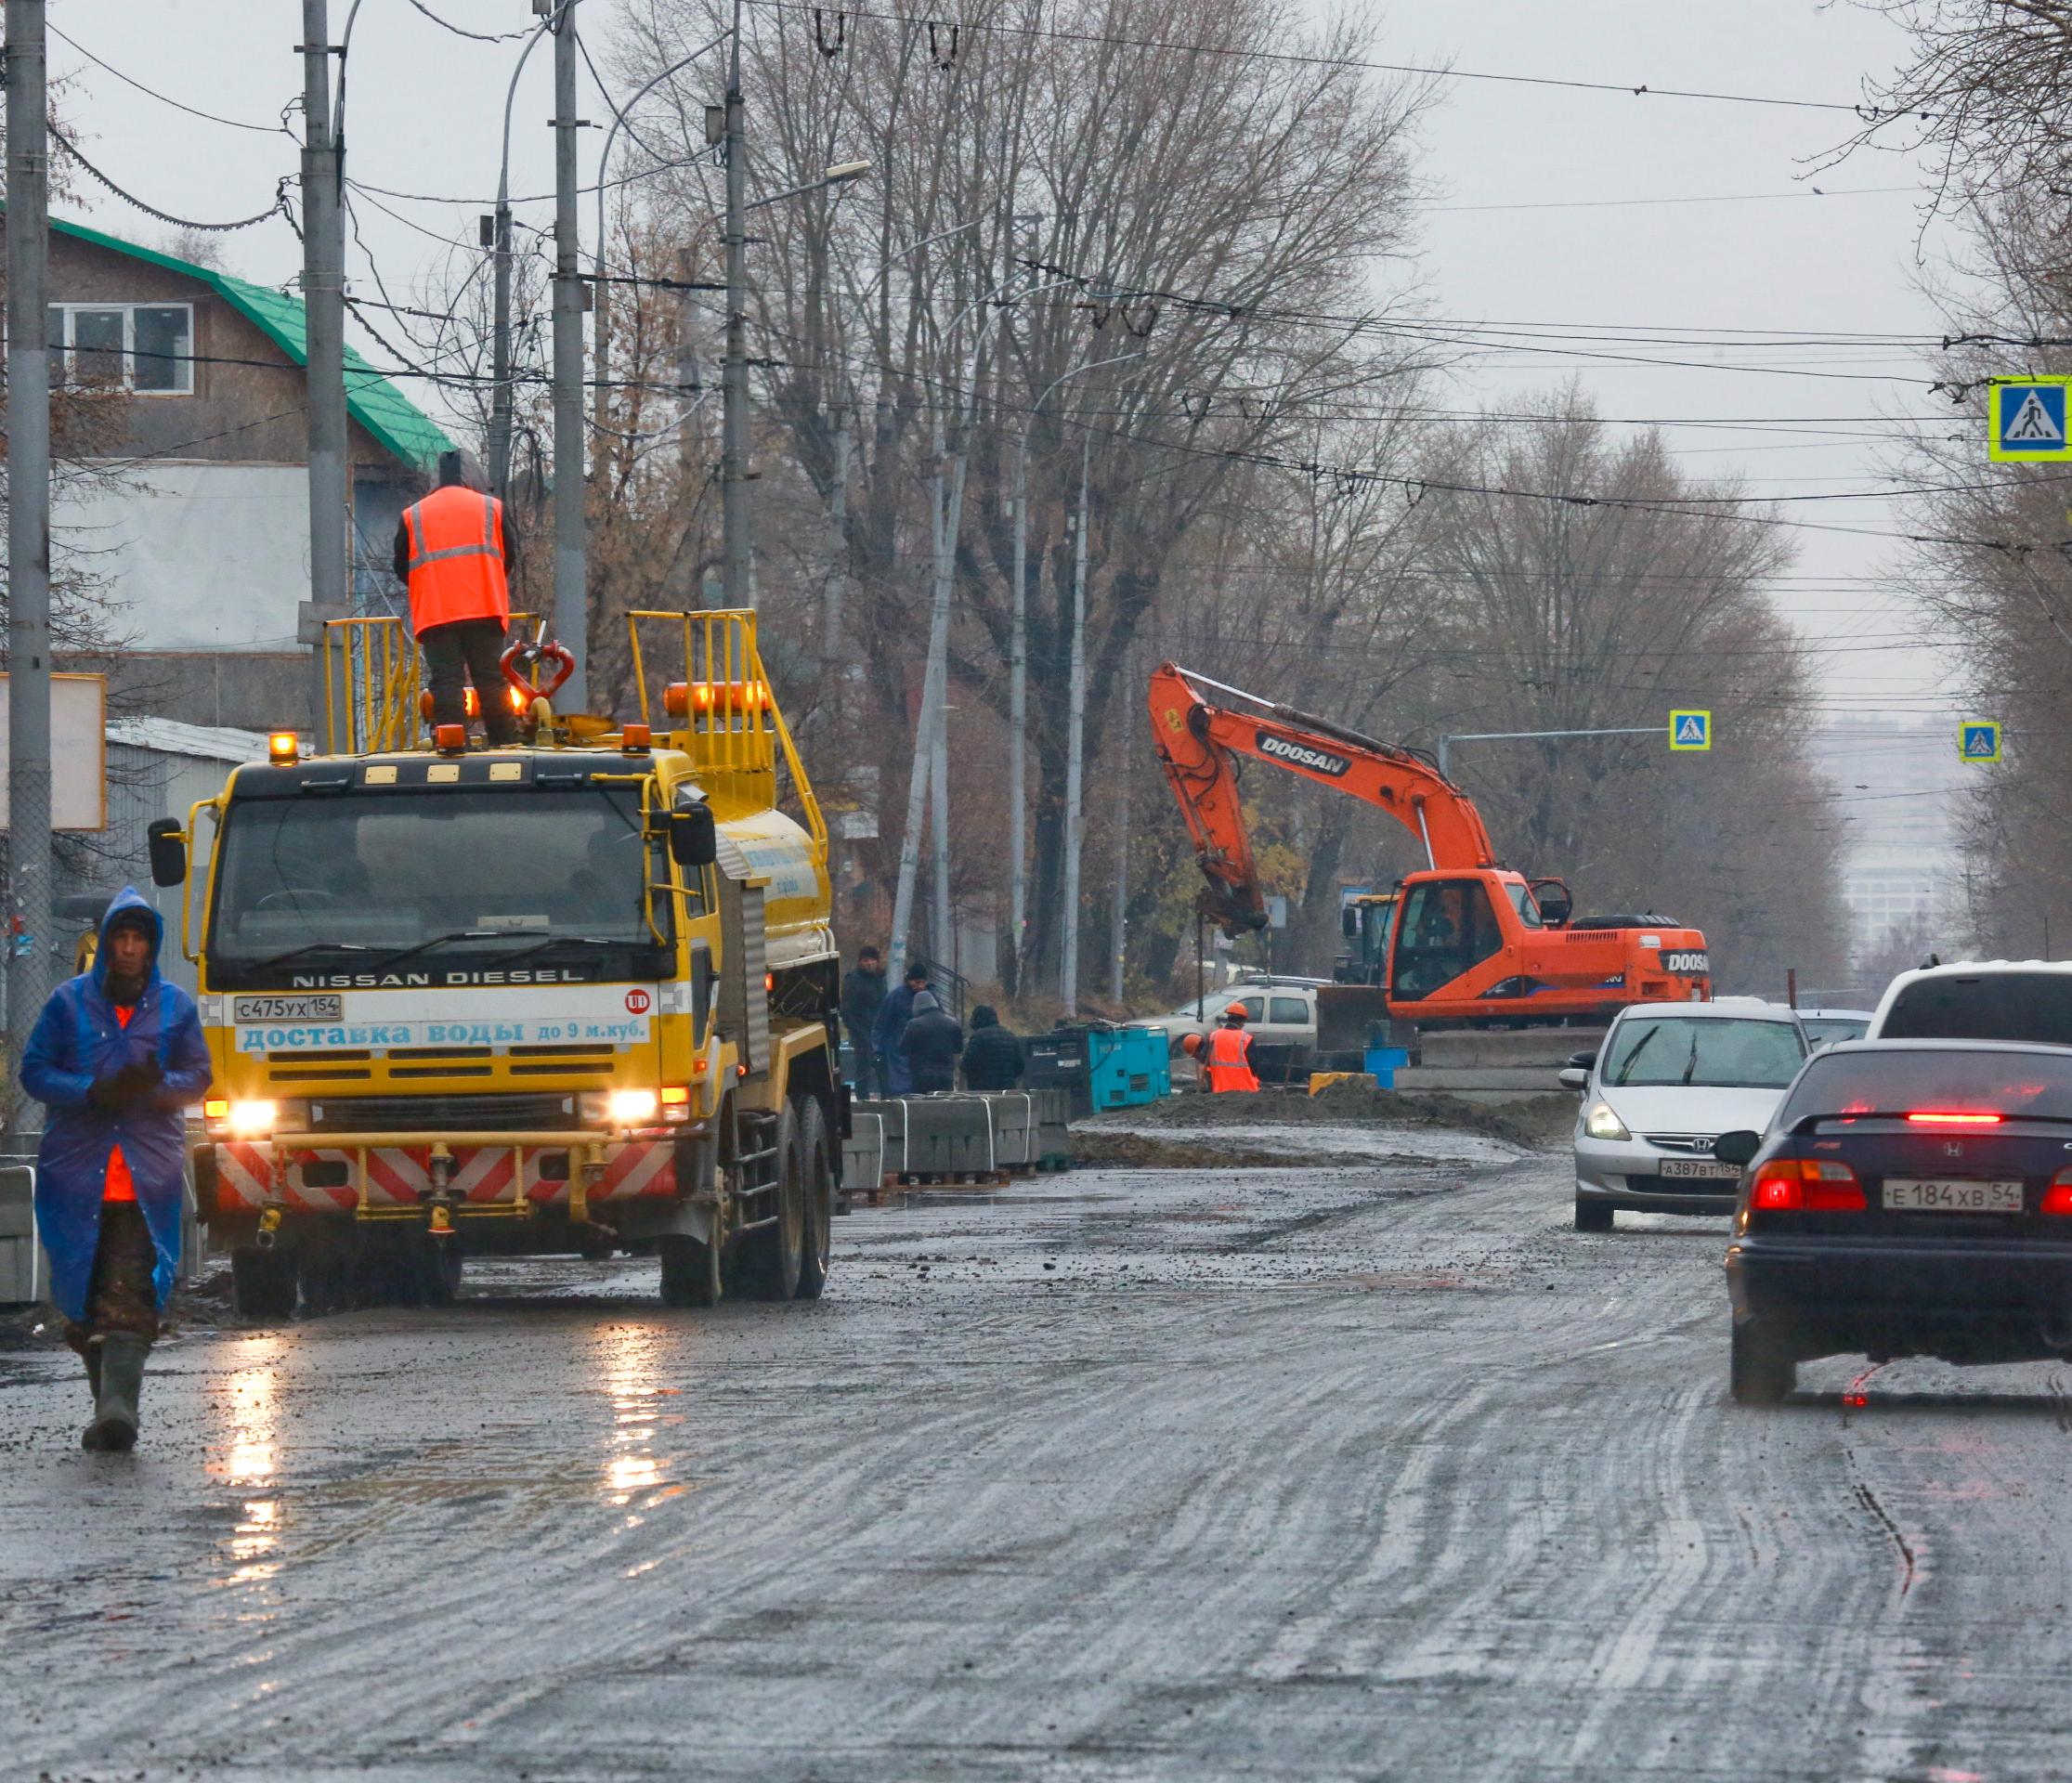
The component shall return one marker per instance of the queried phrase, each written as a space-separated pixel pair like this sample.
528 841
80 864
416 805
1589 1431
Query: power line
1714 198
167 99
1640 90
278 208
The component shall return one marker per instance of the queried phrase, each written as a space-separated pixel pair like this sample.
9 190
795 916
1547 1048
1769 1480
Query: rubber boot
122 1382
93 1373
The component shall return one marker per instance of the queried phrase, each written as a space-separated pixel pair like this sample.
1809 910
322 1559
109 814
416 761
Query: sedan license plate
1912 1195
1704 1167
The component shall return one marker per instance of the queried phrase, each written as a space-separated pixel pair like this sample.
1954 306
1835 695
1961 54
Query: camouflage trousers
122 1296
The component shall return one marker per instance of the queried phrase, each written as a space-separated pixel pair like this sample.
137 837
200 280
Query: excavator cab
1369 925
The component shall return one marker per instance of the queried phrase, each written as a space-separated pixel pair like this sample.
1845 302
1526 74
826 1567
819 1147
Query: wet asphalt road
1360 1474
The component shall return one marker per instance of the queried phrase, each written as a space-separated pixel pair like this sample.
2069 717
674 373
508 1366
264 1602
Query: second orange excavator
1471 941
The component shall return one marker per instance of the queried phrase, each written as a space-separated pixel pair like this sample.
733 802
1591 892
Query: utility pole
1075 745
1018 722
734 376
1118 920
571 592
498 241
323 304
29 864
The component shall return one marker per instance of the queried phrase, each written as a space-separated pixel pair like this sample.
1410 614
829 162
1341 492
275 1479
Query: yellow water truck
578 995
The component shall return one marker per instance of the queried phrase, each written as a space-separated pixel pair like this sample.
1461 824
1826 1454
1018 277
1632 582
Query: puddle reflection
244 1451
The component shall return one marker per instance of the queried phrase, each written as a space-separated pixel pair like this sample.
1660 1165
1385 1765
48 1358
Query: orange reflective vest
456 562
1230 1059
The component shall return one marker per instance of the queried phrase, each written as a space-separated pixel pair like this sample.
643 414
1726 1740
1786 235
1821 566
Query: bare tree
1052 188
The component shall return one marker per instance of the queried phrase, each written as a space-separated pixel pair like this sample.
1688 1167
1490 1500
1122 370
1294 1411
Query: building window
144 347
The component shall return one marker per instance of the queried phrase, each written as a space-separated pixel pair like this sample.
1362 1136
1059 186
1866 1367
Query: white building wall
195 557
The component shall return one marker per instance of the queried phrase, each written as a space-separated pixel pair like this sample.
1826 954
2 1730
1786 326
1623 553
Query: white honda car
1669 1079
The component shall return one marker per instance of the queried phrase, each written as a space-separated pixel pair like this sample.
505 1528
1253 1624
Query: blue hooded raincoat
76 1043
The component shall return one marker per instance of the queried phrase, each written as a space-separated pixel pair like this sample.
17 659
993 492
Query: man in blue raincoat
116 1056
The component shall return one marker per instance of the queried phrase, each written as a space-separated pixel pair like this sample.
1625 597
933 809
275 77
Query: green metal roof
376 404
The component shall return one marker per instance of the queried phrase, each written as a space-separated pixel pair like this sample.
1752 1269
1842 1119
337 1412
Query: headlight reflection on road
627 1359
243 1452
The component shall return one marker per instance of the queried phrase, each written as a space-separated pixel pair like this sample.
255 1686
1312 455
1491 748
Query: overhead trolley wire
1640 90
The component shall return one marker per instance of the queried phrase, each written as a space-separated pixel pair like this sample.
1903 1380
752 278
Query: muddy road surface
1168 1476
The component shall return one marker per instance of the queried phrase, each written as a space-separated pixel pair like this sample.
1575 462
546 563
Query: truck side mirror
693 838
1348 921
168 850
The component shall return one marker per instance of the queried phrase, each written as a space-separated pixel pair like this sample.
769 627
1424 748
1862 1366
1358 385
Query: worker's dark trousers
469 649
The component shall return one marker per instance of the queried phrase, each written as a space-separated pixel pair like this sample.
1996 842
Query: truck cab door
1444 928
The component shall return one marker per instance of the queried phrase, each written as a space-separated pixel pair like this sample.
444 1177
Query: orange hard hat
1234 1013
1191 1044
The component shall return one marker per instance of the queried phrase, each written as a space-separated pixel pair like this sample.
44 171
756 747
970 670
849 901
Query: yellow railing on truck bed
372 683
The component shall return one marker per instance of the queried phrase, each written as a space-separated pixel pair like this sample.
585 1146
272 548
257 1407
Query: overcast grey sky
1552 206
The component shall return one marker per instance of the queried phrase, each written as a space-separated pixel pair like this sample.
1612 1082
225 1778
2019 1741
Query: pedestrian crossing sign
2025 421
1691 730
1978 739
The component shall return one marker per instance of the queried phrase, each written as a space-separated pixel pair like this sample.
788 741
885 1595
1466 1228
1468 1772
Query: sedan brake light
2057 1198
1937 1118
1808 1186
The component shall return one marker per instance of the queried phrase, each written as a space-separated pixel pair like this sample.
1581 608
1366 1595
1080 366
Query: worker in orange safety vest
456 551
1229 1054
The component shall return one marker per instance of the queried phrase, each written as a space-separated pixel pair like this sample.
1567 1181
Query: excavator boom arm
1198 742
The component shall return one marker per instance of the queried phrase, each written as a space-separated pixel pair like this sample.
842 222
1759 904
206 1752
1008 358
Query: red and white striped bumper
248 1174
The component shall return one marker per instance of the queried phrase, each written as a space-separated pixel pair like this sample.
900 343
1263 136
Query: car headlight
1602 1124
252 1120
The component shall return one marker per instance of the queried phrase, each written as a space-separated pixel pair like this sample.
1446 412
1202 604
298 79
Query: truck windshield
479 874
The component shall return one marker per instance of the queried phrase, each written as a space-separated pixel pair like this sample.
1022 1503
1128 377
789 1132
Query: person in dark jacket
993 1055
115 1058
932 1041
862 995
893 1015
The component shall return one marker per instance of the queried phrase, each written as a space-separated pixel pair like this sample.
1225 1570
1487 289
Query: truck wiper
440 940
565 940
299 953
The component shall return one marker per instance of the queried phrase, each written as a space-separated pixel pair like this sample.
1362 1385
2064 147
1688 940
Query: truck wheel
1758 1370
262 1282
770 1253
436 1264
1593 1216
690 1271
817 1182
324 1266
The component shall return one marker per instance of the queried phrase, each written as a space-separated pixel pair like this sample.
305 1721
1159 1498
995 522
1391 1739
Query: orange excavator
1471 941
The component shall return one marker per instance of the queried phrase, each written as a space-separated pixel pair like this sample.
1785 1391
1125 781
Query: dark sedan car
1910 1197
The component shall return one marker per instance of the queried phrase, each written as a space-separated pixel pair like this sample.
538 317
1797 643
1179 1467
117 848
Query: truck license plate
1912 1195
1704 1167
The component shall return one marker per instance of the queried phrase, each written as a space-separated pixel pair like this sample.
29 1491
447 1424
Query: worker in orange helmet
456 551
1228 1053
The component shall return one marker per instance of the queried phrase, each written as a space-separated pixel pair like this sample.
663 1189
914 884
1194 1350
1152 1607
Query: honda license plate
1704 1167
1908 1194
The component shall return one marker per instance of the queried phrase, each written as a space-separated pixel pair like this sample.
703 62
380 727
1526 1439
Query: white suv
1979 999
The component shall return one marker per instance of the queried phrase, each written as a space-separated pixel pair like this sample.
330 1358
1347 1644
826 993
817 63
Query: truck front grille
435 1114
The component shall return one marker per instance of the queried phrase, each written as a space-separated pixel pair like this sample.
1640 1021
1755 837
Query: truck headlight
1602 1124
252 1120
631 1107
